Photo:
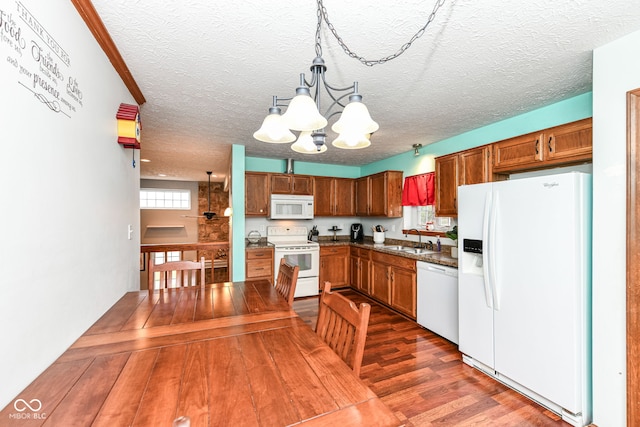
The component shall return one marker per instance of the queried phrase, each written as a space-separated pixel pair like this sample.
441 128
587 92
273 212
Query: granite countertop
262 244
442 258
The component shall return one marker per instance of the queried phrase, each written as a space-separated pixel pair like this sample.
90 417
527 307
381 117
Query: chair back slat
187 273
287 280
343 326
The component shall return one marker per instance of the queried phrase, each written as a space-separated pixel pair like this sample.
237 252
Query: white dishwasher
437 303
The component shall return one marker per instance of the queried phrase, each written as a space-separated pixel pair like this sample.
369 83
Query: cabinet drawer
396 261
361 253
260 254
334 250
259 268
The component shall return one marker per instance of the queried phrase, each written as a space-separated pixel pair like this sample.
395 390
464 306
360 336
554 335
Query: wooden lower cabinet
403 290
259 264
393 282
380 283
360 269
334 266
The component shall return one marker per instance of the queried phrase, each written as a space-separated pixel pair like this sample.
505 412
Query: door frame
633 257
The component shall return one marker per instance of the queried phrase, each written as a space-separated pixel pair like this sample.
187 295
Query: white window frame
165 198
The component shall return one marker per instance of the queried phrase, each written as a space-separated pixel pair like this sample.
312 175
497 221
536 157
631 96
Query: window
424 218
426 215
156 198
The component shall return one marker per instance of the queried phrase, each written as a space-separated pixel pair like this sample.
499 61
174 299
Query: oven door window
301 260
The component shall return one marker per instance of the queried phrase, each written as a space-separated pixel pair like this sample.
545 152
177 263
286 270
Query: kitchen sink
409 250
418 251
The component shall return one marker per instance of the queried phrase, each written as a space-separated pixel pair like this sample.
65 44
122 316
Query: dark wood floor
422 378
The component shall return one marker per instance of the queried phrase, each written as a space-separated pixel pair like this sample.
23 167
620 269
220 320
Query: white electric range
292 244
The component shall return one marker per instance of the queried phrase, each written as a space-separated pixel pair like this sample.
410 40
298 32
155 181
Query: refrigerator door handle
492 251
485 254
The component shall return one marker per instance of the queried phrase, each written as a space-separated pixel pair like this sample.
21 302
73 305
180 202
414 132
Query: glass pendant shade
351 141
355 118
273 129
305 145
302 113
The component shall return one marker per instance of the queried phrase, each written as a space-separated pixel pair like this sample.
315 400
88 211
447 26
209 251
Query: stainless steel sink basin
418 251
397 247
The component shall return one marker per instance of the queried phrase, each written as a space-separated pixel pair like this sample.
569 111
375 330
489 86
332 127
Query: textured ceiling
208 69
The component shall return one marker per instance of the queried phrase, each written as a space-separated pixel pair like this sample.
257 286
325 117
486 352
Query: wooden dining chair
186 273
287 280
343 326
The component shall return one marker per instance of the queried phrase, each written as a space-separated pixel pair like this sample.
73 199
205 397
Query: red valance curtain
419 190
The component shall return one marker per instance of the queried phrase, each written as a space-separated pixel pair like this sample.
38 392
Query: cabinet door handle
549 143
537 146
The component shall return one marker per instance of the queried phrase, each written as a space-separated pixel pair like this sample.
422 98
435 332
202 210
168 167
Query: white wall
69 191
187 234
616 70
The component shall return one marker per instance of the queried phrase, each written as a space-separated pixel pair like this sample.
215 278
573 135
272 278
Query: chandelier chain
322 13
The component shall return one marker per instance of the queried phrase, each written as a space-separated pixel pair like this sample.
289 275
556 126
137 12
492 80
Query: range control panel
472 245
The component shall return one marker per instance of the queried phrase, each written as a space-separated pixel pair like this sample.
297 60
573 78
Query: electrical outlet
262 230
129 231
393 227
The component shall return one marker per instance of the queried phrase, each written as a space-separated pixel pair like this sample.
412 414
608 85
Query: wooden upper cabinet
256 194
521 152
378 195
573 141
475 166
291 184
334 196
447 185
344 197
383 195
566 144
362 196
322 196
467 167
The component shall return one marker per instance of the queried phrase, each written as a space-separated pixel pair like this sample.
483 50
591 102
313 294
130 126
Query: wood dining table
226 354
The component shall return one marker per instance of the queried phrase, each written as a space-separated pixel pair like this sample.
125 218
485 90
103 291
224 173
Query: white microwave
286 206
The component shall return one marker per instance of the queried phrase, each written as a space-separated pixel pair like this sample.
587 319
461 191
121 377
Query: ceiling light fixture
354 127
416 149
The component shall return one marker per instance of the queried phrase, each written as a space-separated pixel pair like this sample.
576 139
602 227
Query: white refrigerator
524 297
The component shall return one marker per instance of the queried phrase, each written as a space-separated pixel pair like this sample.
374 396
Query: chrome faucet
419 237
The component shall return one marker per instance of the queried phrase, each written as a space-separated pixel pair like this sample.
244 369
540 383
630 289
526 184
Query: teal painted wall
572 109
259 164
576 108
238 218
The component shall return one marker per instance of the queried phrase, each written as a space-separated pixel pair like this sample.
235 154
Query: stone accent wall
216 229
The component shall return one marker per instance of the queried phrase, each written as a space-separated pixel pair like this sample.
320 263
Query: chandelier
354 127
303 112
